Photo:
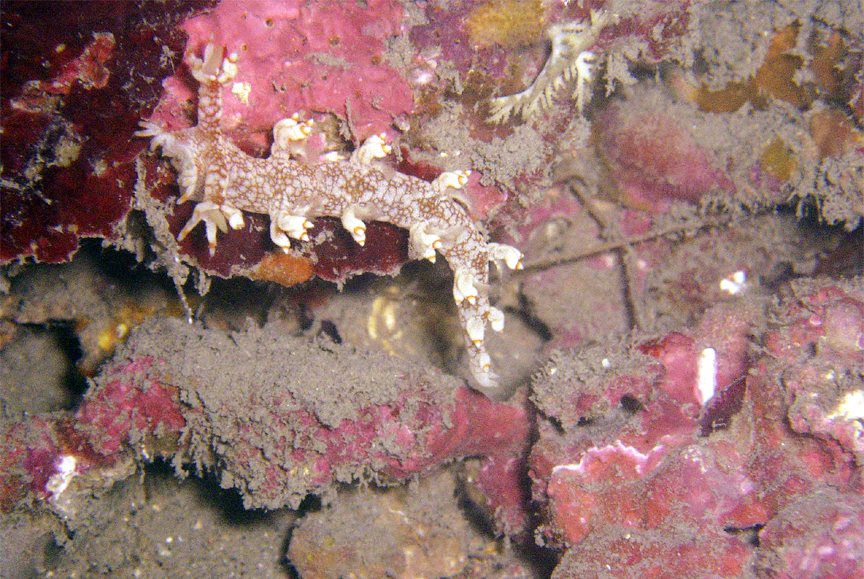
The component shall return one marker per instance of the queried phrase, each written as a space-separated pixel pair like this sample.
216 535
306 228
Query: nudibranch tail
225 182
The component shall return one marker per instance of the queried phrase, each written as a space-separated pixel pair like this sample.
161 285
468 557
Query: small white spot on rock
706 375
241 90
735 283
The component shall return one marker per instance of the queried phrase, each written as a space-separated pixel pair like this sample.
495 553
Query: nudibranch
569 60
226 182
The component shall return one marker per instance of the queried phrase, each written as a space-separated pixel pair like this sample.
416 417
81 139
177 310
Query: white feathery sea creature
569 60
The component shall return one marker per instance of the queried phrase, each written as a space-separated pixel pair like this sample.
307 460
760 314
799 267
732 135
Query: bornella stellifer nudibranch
292 192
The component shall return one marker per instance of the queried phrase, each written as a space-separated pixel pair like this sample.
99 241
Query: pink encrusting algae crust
301 57
664 456
393 422
653 161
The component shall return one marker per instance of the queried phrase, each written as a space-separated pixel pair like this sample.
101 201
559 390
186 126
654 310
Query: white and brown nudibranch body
292 193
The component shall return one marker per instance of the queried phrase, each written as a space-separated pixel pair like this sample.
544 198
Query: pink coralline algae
654 161
683 452
272 432
325 57
42 455
825 398
88 70
818 536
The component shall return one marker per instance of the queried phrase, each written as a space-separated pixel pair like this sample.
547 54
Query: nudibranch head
184 149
